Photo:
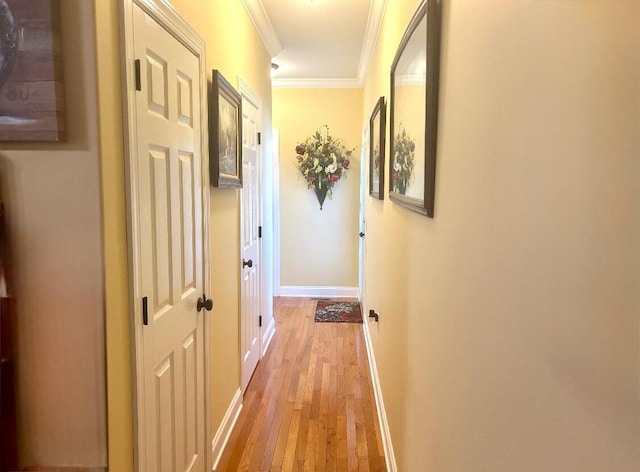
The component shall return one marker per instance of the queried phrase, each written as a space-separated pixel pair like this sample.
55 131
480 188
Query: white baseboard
389 455
300 291
224 431
268 336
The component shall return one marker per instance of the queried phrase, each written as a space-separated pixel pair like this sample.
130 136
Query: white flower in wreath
397 166
331 168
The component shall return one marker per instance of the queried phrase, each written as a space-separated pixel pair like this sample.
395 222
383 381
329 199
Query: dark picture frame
32 96
414 111
225 134
377 131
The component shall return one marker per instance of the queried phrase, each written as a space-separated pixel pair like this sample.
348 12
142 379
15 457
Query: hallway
509 330
310 404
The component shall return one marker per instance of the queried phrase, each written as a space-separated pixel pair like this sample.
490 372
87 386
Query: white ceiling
318 43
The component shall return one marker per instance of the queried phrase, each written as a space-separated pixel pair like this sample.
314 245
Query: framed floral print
377 131
225 134
414 111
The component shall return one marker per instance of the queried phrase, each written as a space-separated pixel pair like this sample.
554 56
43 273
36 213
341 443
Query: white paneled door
169 227
250 337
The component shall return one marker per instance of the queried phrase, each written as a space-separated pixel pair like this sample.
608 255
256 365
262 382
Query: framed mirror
414 111
377 131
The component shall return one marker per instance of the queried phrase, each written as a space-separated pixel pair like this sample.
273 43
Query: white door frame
362 226
275 179
171 21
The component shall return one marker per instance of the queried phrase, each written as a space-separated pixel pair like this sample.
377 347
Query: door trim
275 179
171 21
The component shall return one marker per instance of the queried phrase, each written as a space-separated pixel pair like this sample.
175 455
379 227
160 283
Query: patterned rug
328 310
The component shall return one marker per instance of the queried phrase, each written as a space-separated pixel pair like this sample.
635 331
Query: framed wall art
414 111
31 82
377 131
225 134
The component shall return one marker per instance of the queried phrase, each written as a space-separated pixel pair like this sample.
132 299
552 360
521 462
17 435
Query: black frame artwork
377 131
413 129
225 134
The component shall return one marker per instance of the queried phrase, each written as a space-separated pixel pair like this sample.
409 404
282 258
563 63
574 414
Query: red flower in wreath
322 160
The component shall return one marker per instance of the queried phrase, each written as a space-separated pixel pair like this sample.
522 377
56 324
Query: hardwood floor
310 405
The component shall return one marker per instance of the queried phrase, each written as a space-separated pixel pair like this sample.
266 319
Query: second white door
250 290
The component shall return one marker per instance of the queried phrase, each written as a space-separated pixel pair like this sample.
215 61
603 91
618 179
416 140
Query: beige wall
52 199
318 248
508 334
236 50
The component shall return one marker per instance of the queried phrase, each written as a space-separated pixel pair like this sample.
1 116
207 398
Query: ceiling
318 43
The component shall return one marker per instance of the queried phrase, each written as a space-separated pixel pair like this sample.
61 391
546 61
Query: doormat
347 312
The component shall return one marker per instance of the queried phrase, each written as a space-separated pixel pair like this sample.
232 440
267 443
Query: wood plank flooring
310 404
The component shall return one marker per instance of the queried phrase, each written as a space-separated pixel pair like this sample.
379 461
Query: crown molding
315 83
260 19
374 23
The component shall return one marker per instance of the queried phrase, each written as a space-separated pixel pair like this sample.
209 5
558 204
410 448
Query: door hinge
138 78
259 138
260 321
145 314
259 231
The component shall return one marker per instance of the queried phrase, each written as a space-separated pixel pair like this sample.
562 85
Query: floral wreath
403 161
322 160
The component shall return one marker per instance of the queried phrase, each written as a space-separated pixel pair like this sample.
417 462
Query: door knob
205 303
248 263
